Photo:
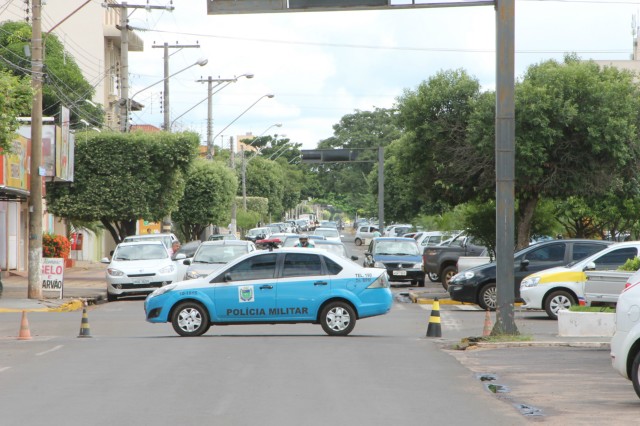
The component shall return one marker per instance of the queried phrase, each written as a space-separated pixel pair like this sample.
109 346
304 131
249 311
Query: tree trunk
525 218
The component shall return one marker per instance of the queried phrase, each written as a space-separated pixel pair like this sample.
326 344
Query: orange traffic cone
85 331
434 329
24 333
487 324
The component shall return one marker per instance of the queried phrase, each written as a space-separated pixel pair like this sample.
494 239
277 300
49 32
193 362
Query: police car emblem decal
245 293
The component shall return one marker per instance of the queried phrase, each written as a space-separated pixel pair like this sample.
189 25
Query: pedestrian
175 246
376 233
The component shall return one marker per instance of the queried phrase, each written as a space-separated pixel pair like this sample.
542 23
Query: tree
122 177
434 119
265 178
209 191
64 83
15 101
576 132
349 181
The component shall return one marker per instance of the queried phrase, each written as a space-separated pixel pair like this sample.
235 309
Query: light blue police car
292 285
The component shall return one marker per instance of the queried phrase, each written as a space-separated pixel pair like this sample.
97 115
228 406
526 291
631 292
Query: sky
321 66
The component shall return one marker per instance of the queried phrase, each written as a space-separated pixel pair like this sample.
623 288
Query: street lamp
209 95
201 62
255 139
210 106
269 95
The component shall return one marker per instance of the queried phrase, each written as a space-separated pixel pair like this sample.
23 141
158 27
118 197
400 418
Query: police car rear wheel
190 319
338 319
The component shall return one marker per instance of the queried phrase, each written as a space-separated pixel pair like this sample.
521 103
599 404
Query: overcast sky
323 65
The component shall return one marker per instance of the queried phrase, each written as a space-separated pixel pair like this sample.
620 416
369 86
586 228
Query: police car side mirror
524 265
186 262
227 277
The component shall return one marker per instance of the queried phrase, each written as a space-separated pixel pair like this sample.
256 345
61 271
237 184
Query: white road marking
50 350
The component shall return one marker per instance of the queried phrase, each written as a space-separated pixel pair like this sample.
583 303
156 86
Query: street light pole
233 160
35 191
210 80
243 113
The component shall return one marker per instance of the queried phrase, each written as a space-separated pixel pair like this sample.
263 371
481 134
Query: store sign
52 274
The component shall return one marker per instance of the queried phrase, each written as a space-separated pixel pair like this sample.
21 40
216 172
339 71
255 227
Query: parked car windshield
338 249
218 254
166 240
257 231
140 252
408 248
327 232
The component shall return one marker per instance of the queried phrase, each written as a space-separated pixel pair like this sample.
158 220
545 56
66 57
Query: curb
542 344
68 306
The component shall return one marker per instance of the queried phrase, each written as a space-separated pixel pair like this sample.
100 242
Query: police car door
303 285
247 291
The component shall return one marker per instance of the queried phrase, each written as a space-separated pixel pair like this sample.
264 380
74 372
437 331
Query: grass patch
472 342
605 309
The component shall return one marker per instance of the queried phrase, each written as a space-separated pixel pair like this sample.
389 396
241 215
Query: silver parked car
212 255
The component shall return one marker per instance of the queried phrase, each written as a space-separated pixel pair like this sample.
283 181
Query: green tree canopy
123 177
576 132
210 188
265 178
15 101
64 83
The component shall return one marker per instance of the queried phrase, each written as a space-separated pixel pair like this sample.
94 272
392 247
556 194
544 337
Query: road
385 372
132 372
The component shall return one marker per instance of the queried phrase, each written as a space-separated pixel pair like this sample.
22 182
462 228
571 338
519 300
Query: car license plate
141 281
400 273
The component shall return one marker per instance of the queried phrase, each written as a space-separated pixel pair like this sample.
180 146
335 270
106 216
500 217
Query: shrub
631 265
55 246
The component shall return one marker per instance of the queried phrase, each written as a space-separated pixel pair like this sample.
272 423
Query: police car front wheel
190 319
338 319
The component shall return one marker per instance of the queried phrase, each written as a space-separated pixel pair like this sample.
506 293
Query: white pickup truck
468 262
604 287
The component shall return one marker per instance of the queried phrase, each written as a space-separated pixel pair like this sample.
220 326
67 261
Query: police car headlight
167 269
378 265
417 266
162 290
114 272
530 282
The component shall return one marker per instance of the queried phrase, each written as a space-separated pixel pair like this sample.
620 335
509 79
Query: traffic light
328 155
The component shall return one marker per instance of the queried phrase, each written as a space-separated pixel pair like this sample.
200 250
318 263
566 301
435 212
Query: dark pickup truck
442 260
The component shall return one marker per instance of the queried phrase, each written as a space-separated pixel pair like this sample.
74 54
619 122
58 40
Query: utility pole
35 180
210 80
244 180
167 112
234 207
124 56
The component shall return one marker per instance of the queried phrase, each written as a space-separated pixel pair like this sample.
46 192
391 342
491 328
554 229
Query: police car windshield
218 254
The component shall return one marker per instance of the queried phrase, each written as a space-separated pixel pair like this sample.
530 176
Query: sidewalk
83 283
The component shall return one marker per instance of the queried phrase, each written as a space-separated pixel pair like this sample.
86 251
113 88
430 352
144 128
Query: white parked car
138 268
330 234
167 239
625 344
364 234
560 288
